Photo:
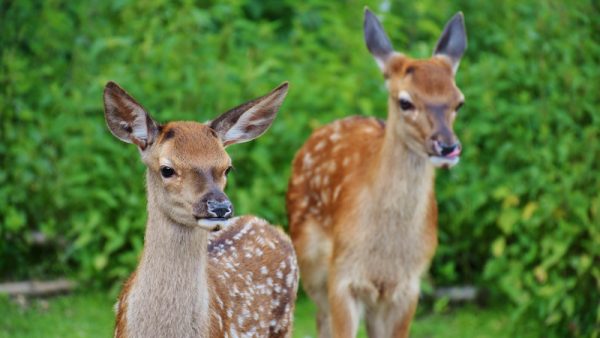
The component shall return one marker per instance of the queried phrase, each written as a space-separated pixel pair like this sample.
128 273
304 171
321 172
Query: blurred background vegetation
519 217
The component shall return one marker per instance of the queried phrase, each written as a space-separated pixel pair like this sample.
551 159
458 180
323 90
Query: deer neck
170 295
404 177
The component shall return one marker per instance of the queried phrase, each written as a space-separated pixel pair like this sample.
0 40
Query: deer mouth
445 162
445 158
213 223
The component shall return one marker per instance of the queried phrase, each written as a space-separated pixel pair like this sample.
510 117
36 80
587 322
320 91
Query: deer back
254 278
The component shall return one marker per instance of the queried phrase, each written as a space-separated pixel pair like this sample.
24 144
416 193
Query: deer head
186 161
423 97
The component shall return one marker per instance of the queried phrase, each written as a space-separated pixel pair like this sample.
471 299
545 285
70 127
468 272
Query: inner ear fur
251 119
126 119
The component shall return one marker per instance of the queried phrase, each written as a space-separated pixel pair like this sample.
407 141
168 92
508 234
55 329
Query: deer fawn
241 281
361 201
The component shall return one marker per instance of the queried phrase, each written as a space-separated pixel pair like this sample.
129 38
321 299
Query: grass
79 315
91 315
467 322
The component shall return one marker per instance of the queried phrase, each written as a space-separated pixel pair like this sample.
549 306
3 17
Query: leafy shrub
519 216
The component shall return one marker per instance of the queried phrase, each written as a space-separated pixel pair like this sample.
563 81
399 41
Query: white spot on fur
335 137
220 322
324 196
331 166
337 148
297 179
307 161
337 126
289 279
233 332
320 146
336 192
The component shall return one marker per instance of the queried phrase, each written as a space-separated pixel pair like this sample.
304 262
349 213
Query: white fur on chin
439 161
213 225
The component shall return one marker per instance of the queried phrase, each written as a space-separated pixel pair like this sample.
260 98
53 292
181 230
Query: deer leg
374 323
323 319
323 324
344 312
401 323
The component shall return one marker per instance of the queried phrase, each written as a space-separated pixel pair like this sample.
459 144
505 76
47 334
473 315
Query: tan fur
362 209
238 282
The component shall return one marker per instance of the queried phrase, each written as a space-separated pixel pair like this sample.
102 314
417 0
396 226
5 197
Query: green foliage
519 216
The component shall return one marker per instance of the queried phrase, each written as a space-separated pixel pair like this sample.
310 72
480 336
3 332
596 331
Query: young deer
361 200
241 281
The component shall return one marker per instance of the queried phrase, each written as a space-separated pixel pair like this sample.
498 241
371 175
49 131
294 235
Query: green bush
519 216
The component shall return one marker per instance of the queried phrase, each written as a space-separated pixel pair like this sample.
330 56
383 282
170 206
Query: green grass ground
91 315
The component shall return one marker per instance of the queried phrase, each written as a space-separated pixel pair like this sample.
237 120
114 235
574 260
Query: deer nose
448 150
220 209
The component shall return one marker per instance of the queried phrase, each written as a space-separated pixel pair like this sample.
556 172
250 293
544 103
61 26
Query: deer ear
251 119
453 42
377 41
127 119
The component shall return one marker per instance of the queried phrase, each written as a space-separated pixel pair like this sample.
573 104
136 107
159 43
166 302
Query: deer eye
228 170
406 105
167 172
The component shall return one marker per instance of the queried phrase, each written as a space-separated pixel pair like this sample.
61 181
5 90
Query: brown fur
271 295
121 321
240 281
262 318
237 288
361 204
